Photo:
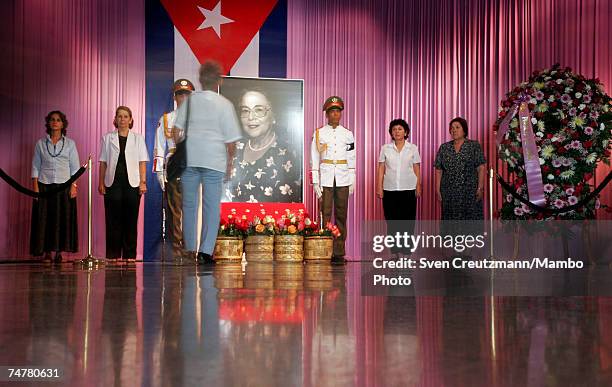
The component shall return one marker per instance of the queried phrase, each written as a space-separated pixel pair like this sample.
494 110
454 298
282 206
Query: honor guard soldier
332 164
164 148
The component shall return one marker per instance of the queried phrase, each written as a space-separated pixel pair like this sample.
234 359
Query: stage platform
148 324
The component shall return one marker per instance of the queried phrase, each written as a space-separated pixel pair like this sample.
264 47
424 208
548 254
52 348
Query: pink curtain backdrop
429 61
84 57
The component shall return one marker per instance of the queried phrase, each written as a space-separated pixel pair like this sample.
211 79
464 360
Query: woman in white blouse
54 216
123 171
399 181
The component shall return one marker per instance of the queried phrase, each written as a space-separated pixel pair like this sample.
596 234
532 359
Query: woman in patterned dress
460 175
265 168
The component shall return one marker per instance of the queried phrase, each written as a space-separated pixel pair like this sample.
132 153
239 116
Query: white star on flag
213 19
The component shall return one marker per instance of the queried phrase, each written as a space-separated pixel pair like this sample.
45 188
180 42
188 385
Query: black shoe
205 259
58 257
338 259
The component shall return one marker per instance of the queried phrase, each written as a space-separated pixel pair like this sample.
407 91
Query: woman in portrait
265 168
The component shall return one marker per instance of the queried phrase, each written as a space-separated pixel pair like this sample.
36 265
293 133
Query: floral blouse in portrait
274 177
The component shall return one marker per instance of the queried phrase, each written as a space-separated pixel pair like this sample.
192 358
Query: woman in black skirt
399 181
54 217
123 171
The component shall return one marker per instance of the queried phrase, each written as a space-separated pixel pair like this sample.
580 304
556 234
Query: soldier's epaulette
167 131
320 147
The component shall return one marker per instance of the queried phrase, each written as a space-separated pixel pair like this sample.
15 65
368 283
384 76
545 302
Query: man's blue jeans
212 187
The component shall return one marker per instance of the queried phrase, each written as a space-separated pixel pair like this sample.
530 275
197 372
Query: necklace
263 147
60 152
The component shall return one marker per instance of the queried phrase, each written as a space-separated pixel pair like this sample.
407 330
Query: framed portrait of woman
268 165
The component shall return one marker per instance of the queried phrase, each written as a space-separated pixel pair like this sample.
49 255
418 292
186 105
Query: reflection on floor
289 325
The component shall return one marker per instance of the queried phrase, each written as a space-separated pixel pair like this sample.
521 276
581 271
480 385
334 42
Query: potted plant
259 243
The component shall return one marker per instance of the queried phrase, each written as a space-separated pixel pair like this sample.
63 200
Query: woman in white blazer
123 167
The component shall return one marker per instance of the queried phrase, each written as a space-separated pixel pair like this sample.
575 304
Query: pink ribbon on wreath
533 172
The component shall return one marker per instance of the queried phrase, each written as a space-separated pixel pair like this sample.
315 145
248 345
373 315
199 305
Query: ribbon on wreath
533 172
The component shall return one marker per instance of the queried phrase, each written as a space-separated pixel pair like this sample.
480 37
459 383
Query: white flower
259 173
581 106
249 186
243 164
548 151
282 151
288 165
240 145
275 172
285 189
514 123
268 191
542 161
551 98
269 161
550 176
565 175
252 200
578 95
591 158
541 125
559 81
534 120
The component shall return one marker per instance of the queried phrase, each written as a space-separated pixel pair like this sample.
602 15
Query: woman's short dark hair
462 122
210 73
126 109
402 123
62 117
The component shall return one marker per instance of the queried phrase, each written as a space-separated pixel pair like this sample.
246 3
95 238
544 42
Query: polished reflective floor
288 325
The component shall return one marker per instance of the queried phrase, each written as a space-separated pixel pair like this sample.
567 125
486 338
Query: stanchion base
90 262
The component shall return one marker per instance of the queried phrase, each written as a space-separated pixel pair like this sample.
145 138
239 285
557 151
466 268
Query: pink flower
586 99
548 188
588 130
559 203
509 198
518 211
539 95
572 112
566 98
597 204
556 163
572 200
526 208
566 162
569 191
575 144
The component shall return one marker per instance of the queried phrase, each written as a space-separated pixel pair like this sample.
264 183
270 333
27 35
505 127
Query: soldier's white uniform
164 144
332 157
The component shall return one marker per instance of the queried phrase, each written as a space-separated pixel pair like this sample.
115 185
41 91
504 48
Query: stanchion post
491 180
89 261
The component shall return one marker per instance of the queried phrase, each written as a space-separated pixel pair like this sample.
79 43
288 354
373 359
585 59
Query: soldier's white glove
318 190
161 178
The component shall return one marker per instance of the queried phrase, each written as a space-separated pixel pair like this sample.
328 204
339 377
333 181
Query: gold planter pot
228 249
318 248
288 248
259 248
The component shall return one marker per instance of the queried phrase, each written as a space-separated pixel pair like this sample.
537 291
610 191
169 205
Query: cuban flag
248 38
